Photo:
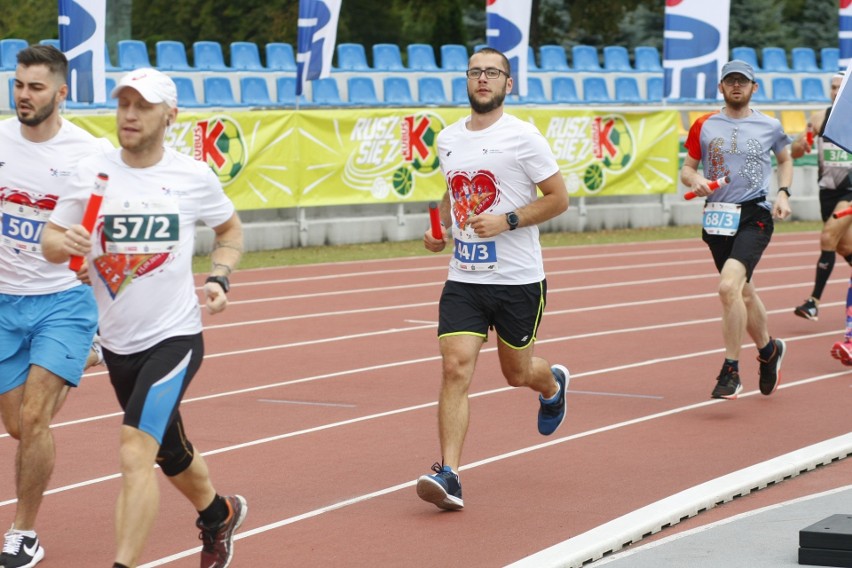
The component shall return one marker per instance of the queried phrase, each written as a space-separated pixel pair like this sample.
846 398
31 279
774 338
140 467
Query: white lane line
306 403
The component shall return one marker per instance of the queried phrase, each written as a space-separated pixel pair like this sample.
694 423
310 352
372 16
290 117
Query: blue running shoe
551 414
442 489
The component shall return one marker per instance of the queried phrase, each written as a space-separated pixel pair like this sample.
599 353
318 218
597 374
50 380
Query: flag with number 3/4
315 40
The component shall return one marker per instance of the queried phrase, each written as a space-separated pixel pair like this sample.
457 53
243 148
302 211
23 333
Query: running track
317 401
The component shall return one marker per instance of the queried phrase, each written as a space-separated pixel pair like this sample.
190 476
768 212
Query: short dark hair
507 67
46 55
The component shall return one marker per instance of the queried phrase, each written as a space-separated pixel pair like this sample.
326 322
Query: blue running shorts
53 331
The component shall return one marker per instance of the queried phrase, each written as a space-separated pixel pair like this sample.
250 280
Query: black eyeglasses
731 81
490 73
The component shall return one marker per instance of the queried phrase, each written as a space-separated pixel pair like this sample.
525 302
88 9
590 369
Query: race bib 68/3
721 218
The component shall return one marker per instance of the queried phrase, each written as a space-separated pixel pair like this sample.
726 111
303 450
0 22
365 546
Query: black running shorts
829 198
747 246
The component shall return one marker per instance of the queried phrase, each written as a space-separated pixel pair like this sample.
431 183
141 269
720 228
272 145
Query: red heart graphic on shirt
472 195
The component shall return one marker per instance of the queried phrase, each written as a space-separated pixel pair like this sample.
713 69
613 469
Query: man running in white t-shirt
47 316
492 163
140 265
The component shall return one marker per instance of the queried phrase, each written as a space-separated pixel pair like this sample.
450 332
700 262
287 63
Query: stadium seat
453 57
351 57
532 65
647 59
595 90
325 92
108 66
9 49
616 58
52 43
760 96
775 60
585 58
186 93
459 85
171 56
804 60
387 57
829 58
110 102
421 57
627 90
747 54
208 56
430 91
245 56
784 90
654 89
280 57
813 90
397 91
479 46
12 93
254 91
552 58
218 92
563 90
362 91
285 91
535 92
132 54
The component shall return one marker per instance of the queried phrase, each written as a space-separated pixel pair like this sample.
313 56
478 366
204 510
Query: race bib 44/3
722 218
475 255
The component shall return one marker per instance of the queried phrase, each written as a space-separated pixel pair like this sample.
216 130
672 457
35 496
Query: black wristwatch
221 281
785 190
513 220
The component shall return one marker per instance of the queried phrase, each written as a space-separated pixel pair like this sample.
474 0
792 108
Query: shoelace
12 544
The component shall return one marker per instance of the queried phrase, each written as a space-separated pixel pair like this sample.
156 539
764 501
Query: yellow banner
279 159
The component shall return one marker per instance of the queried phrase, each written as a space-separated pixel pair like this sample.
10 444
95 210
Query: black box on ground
827 543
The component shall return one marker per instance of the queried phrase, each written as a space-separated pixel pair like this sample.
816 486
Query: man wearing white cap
735 143
149 319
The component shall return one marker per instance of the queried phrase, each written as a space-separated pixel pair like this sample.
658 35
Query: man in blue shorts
492 163
738 220
47 316
149 320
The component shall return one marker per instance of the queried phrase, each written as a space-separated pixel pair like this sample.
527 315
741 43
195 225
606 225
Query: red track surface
317 402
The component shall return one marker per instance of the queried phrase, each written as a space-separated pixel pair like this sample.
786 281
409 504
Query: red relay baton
713 185
90 215
435 218
843 213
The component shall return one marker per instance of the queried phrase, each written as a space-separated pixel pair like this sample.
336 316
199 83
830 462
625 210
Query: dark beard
486 107
38 117
738 105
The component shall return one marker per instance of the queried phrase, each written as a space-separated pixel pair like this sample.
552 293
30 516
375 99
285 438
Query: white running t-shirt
143 242
494 171
33 175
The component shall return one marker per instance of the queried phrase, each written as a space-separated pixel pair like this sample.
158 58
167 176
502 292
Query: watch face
512 219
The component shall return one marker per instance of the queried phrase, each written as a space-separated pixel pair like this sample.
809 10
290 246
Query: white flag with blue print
508 30
315 40
837 127
82 38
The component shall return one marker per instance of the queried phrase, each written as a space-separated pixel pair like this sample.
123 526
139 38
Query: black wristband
221 281
785 190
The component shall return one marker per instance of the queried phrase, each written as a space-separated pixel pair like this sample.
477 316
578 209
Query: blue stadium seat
280 57
132 54
459 85
171 56
775 60
616 58
747 54
110 102
552 58
760 96
532 65
12 93
186 93
397 91
479 46
430 91
535 92
208 56
813 90
325 92
585 58
453 57
595 90
108 66
654 89
218 92
245 56
254 91
647 59
563 90
627 90
9 49
387 57
351 57
784 90
421 57
804 60
52 43
829 58
285 91
362 91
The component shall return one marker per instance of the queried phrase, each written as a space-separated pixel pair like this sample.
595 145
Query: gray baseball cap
738 66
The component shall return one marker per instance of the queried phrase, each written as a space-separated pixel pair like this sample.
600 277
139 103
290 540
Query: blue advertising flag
837 127
508 31
315 40
82 35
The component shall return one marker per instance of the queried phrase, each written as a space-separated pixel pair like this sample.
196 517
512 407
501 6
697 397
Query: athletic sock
732 364
215 513
767 350
823 271
117 565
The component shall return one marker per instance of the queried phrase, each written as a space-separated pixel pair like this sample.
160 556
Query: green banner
279 159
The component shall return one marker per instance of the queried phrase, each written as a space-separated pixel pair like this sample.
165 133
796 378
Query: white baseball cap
154 86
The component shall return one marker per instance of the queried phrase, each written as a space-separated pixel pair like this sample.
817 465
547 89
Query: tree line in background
754 23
